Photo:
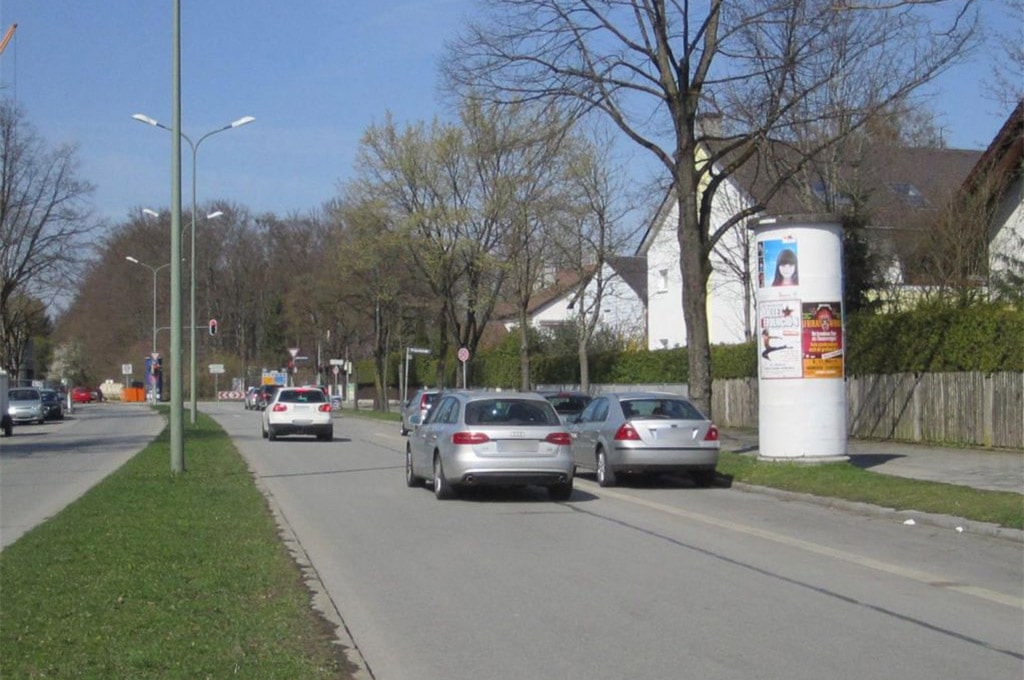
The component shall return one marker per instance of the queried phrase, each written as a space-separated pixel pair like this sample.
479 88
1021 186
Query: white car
298 410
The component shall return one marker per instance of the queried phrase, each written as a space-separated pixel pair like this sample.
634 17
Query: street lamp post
154 270
245 120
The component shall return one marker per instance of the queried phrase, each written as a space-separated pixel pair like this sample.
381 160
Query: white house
623 309
897 186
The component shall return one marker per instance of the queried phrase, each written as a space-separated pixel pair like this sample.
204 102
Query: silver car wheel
605 476
410 478
442 489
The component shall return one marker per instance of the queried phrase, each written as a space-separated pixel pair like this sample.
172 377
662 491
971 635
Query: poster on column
822 340
777 263
779 328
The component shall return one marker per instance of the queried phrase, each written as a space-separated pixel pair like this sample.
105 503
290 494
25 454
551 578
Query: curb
358 669
941 521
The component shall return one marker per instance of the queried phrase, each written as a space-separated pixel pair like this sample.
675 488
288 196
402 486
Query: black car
53 405
265 395
568 404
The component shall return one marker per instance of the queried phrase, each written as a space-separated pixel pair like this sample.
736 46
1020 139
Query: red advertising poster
822 329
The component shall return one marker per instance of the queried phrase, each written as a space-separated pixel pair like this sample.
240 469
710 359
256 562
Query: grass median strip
151 575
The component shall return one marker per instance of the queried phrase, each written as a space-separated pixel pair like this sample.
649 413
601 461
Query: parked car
251 397
25 405
644 432
298 410
81 395
416 409
490 438
53 405
266 394
567 404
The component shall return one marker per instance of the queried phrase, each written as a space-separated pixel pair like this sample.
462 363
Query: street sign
463 354
216 368
126 369
418 350
337 362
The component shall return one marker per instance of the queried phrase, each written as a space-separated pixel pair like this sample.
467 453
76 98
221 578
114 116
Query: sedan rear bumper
665 460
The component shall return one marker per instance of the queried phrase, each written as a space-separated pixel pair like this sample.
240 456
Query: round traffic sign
463 354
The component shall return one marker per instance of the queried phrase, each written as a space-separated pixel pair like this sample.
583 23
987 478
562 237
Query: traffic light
213 327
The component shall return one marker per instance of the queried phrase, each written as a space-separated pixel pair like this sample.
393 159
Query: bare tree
44 223
769 68
592 231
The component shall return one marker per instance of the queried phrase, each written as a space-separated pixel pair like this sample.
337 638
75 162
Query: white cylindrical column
801 368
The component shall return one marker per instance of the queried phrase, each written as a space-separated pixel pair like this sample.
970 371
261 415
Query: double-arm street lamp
154 270
245 120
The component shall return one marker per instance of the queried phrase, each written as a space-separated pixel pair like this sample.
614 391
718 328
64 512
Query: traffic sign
418 350
216 368
463 354
293 351
126 369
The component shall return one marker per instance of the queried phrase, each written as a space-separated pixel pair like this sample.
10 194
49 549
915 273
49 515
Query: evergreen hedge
931 339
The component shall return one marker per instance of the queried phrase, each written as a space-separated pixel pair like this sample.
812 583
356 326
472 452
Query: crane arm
7 37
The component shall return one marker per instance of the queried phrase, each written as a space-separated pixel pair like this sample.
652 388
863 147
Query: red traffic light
213 327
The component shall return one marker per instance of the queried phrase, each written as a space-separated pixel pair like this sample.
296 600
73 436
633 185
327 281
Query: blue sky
314 73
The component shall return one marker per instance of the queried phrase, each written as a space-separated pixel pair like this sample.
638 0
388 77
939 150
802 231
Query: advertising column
801 368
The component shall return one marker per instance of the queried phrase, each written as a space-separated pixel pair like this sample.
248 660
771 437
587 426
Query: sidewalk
978 468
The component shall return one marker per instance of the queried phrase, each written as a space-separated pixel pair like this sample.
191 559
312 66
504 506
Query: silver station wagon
490 438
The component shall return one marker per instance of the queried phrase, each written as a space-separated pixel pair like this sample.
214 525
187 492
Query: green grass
848 482
151 575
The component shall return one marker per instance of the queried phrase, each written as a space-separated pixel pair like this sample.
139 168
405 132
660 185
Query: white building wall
725 303
666 327
622 311
1009 230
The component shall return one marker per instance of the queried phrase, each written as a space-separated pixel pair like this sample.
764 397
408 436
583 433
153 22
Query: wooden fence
966 409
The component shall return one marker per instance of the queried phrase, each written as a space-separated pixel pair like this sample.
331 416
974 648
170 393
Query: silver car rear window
510 412
673 409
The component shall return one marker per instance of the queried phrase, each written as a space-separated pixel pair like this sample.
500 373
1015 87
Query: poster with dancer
822 340
779 339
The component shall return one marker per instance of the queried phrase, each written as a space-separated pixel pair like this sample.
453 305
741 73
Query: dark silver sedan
644 432
490 438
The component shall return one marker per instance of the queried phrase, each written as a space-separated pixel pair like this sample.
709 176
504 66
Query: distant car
266 393
25 405
251 396
414 410
644 432
298 410
53 405
567 404
490 438
81 395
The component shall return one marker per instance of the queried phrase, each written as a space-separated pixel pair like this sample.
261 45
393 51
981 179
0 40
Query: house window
828 194
910 194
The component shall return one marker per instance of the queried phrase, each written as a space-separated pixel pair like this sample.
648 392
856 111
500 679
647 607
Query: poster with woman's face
777 264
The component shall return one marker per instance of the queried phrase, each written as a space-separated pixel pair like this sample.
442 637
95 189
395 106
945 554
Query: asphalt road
45 467
649 581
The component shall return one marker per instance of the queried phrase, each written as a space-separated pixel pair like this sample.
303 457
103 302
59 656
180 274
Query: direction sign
418 350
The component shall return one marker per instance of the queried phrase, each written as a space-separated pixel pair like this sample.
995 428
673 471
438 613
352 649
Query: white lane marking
818 549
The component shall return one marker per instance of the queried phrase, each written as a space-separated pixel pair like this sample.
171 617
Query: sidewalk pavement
996 470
